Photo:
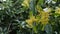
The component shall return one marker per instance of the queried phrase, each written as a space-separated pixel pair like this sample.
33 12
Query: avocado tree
29 16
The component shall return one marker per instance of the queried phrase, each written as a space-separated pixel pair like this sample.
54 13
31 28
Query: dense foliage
29 16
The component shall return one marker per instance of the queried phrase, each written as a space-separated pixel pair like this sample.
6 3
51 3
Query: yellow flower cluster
31 20
26 3
44 18
44 15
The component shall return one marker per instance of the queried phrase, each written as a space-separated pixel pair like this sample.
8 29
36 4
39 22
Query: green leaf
32 6
48 29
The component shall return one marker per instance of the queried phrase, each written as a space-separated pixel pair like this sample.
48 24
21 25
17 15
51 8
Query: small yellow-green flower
26 3
57 10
